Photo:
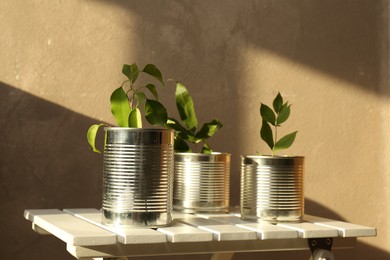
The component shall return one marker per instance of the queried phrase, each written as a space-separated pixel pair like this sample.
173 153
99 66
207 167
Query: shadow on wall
201 44
345 39
45 162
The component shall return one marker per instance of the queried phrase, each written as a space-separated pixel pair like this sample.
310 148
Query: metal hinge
321 248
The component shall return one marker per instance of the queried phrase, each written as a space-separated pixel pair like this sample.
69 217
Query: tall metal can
137 177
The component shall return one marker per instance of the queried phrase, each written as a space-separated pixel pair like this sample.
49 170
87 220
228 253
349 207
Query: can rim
149 129
272 157
202 157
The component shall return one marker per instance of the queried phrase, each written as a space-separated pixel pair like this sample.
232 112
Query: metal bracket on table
321 248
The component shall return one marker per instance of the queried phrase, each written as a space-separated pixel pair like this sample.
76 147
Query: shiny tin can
272 188
137 177
201 182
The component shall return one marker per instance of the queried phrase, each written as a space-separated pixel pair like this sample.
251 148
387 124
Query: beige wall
60 60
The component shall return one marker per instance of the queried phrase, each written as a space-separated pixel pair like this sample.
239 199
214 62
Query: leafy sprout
273 118
126 101
187 130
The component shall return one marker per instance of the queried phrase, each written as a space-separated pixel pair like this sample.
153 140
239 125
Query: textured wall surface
60 61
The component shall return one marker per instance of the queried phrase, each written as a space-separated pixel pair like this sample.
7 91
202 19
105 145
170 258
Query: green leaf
285 142
209 129
267 114
206 149
175 125
266 134
139 97
126 70
153 90
283 114
278 103
185 106
91 136
135 118
180 146
153 71
155 112
120 107
170 121
131 71
181 131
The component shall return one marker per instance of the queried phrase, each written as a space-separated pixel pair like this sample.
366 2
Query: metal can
137 177
201 182
272 188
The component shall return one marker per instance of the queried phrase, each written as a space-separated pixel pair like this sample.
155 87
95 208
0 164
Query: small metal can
272 188
201 182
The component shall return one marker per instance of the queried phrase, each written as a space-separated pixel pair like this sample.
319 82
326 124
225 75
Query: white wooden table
221 235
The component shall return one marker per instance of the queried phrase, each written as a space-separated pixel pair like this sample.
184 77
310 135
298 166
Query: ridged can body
272 188
137 177
201 182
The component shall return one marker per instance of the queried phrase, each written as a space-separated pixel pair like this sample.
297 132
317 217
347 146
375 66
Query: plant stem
276 138
206 143
131 100
125 82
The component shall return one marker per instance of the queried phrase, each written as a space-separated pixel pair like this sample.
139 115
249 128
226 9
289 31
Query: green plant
275 117
127 100
187 131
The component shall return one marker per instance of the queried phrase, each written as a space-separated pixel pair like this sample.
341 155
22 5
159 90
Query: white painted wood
120 250
184 233
222 234
125 235
178 215
268 231
211 216
344 229
70 229
40 230
220 230
229 219
263 230
310 230
197 221
31 213
225 232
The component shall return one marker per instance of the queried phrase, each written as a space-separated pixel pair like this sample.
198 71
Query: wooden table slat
70 229
344 229
179 232
220 230
86 236
125 235
310 230
263 230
